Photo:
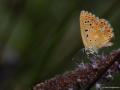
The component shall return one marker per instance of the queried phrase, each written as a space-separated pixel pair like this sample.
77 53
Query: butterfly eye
86 30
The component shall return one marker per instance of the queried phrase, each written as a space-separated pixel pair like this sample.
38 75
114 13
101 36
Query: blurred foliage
38 38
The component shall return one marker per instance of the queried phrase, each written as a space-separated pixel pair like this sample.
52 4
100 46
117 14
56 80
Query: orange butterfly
96 33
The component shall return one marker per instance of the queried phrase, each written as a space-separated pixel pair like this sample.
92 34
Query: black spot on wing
87 35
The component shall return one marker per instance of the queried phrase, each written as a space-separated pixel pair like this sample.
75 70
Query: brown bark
84 77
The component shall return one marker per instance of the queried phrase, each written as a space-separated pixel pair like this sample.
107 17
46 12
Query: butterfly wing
88 28
106 32
96 33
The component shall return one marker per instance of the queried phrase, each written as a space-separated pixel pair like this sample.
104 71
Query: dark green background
44 36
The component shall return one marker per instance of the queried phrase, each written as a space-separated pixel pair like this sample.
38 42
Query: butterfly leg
83 56
100 56
79 57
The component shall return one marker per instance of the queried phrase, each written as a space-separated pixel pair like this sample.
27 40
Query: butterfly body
96 33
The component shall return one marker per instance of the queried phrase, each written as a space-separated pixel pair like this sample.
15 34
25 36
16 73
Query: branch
83 77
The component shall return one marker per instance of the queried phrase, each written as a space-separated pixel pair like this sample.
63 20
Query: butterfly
96 32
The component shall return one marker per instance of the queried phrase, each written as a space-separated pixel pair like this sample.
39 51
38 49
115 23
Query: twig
83 77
